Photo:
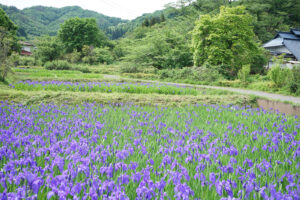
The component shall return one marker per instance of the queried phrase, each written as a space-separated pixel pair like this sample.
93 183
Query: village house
287 43
27 48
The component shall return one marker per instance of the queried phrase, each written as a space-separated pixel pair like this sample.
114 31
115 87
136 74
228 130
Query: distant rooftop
293 46
290 41
296 32
26 43
288 35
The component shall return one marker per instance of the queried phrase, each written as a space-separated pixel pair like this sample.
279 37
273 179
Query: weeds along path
271 96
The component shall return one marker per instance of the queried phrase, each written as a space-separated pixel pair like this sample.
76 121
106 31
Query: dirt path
280 97
112 77
295 100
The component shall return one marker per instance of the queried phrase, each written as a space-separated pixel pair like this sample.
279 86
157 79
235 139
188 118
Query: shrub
82 69
26 61
279 75
229 83
140 75
57 65
262 86
294 81
103 55
129 68
91 59
258 63
48 49
207 73
204 73
243 73
73 57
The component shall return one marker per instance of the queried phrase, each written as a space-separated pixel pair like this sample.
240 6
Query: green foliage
230 83
57 65
88 55
203 74
294 81
208 6
132 88
103 55
96 55
154 20
163 46
268 17
279 75
74 57
77 32
7 44
271 16
244 73
146 22
129 68
6 23
14 57
140 32
258 62
26 61
48 48
118 52
225 39
82 69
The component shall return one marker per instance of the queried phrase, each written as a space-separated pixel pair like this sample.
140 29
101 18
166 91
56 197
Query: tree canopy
225 39
6 23
8 43
49 48
77 32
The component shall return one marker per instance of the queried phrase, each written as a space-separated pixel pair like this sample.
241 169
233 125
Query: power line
112 3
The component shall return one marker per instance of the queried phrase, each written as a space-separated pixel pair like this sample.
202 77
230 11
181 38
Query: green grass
43 74
59 97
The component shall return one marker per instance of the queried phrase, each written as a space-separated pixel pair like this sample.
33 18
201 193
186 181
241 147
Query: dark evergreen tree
153 21
162 17
146 22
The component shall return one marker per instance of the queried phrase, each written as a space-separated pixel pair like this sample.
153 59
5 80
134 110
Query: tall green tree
225 39
49 48
11 30
162 17
77 32
153 21
146 22
8 43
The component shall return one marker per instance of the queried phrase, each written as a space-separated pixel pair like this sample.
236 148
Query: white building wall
26 48
281 49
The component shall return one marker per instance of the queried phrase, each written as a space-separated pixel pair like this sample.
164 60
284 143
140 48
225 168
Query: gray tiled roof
293 46
274 43
296 32
286 35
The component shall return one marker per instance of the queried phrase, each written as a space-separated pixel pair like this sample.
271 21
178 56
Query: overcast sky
125 9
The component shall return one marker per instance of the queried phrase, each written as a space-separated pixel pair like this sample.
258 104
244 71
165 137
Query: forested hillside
40 20
269 16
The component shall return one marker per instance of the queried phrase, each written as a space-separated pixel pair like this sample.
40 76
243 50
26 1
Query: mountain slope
40 20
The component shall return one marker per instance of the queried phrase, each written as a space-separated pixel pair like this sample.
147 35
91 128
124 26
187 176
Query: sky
125 9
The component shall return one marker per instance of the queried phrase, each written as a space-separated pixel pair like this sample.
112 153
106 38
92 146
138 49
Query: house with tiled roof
287 43
26 48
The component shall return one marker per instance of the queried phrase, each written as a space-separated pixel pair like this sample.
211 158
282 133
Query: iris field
106 87
124 151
